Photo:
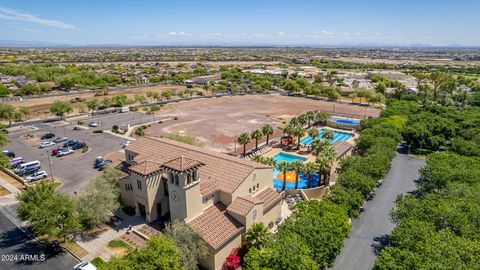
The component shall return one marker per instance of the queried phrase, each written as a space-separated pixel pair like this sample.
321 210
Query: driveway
372 228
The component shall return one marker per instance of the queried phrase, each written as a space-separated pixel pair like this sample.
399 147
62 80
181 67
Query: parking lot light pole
49 164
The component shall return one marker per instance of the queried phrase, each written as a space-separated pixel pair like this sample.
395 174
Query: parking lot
76 169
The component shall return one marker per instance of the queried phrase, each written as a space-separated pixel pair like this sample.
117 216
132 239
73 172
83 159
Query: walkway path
374 225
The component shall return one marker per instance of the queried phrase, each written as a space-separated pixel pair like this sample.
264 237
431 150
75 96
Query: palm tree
298 131
298 168
328 156
302 119
244 139
256 135
257 236
310 117
258 159
284 167
322 117
328 135
321 165
318 145
267 130
309 169
313 133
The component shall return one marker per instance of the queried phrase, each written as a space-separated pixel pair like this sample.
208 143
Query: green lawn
98 262
75 248
118 244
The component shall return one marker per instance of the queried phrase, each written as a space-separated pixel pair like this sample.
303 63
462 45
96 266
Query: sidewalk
98 247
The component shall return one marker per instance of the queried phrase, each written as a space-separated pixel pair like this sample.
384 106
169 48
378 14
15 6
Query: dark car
29 170
55 151
104 164
78 145
8 153
47 136
70 143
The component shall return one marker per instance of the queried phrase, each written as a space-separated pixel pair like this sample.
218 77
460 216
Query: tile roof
270 197
216 226
242 205
146 167
342 147
182 164
220 172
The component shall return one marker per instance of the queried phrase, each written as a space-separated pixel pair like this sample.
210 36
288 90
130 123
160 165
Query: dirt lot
219 121
41 106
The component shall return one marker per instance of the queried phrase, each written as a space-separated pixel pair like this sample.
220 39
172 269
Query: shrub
115 129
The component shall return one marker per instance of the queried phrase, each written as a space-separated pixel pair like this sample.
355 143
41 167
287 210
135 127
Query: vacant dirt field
219 121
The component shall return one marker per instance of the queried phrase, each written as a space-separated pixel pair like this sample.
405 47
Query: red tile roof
242 205
270 197
182 164
220 172
216 226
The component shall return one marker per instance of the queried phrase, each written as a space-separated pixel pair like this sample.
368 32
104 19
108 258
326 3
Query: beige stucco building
217 195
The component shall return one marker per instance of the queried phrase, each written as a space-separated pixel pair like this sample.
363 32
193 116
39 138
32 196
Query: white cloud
214 34
241 34
327 33
258 35
281 33
179 34
25 29
13 15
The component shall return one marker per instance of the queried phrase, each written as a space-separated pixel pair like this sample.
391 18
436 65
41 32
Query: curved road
372 228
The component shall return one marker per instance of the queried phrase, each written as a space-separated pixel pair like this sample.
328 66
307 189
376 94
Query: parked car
46 144
65 152
70 143
14 162
84 266
55 151
104 164
98 161
37 176
60 139
23 166
47 136
125 144
92 124
8 153
78 145
29 170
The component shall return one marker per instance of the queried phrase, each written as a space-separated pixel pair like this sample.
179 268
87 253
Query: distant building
202 80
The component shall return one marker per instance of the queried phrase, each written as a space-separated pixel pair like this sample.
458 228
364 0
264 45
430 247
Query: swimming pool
345 121
337 136
290 184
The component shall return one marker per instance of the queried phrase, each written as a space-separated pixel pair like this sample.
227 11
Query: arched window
176 179
189 179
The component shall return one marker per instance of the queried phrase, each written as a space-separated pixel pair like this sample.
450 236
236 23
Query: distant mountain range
42 44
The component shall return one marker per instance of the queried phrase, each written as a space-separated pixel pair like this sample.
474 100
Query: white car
84 266
125 144
37 176
65 152
92 124
60 139
46 144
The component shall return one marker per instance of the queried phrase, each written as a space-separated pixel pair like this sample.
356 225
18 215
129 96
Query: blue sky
246 22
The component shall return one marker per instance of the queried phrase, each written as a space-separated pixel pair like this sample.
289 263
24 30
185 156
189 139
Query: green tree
328 135
160 252
256 135
7 113
48 212
60 108
191 245
98 199
24 112
297 166
93 104
267 130
284 167
309 169
257 236
244 139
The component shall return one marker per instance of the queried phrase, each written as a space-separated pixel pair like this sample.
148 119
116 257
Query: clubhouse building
217 195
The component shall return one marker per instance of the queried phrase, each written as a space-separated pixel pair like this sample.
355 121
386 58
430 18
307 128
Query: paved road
373 226
18 251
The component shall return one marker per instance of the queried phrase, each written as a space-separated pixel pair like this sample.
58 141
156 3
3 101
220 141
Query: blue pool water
302 180
337 136
346 121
